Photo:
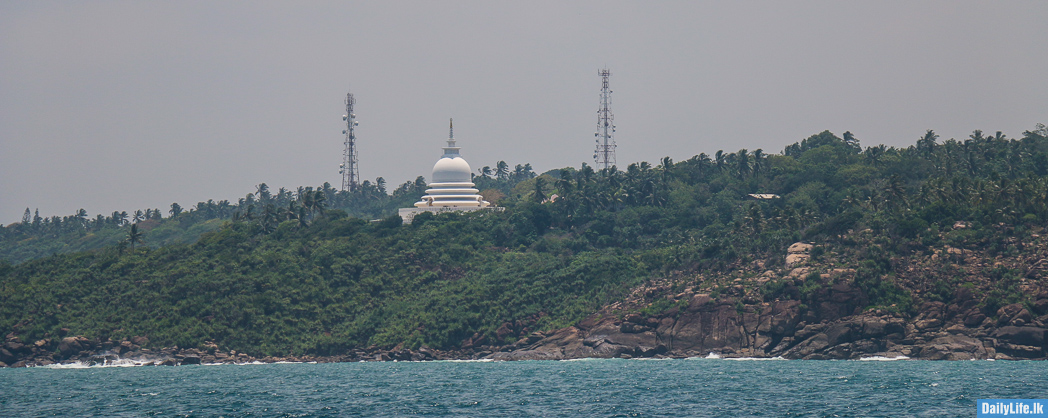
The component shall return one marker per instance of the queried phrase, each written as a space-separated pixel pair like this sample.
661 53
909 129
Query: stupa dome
452 170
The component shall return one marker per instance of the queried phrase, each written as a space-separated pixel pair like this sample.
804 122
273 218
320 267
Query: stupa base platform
408 214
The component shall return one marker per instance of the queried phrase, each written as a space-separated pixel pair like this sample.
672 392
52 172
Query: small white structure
452 186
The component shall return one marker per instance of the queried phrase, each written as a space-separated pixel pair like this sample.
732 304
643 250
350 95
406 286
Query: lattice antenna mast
348 168
604 155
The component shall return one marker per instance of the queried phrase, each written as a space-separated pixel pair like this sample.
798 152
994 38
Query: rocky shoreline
88 352
704 327
729 315
736 316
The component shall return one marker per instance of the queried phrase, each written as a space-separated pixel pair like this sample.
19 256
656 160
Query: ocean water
691 387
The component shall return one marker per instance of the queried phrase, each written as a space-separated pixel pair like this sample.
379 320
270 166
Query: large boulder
794 260
7 356
710 326
190 360
71 346
799 248
17 347
1014 315
1029 336
797 254
953 347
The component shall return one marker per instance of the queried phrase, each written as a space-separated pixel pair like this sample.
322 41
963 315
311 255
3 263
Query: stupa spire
451 150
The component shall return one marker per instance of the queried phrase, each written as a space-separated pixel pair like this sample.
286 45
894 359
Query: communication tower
348 168
604 155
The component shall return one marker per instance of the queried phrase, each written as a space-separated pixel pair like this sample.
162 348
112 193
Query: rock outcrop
828 318
805 308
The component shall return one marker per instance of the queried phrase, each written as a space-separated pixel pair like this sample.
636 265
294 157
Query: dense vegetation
38 236
289 274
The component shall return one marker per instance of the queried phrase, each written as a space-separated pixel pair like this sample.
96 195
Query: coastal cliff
809 308
959 322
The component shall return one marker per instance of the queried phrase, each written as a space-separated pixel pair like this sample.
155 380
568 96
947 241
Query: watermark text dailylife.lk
1027 408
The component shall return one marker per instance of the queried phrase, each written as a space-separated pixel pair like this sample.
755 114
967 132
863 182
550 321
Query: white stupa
452 188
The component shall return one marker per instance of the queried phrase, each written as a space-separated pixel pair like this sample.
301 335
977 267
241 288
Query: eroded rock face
953 347
836 328
799 248
795 260
798 254
1025 336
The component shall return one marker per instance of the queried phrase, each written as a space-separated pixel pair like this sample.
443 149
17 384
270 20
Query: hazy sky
110 105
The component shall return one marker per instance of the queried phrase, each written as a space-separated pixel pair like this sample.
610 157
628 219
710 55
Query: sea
697 387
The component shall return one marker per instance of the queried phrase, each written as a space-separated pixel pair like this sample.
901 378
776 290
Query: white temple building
452 187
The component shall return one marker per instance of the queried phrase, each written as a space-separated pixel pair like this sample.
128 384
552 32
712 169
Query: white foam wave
883 358
107 363
755 358
77 365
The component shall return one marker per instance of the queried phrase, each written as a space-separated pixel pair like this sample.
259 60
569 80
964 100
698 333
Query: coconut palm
538 196
926 144
742 163
501 170
134 237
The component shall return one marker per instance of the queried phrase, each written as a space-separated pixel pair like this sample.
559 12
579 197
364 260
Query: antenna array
604 155
348 168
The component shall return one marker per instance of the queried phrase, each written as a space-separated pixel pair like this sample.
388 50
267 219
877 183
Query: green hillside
291 273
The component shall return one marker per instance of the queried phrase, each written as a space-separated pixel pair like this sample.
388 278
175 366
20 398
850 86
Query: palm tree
874 154
758 161
851 141
139 216
754 218
328 191
585 176
133 236
895 192
319 202
305 198
501 170
977 136
81 216
267 221
742 163
262 191
927 143
518 173
485 172
564 183
419 186
719 160
538 196
380 185
703 161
